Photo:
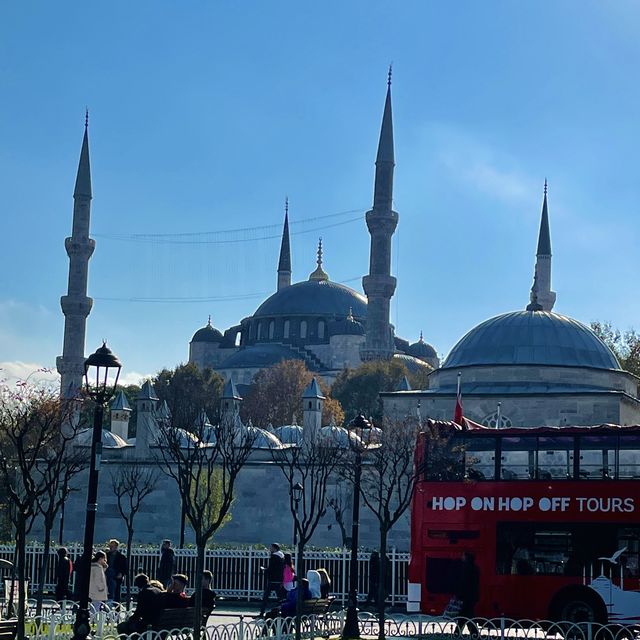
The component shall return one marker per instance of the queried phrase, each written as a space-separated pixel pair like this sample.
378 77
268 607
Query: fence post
249 572
502 627
344 574
589 630
394 560
241 628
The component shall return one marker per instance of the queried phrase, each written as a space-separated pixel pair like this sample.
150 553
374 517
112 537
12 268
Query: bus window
555 458
480 458
518 458
597 457
444 459
629 457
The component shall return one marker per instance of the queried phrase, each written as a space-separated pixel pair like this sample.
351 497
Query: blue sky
205 115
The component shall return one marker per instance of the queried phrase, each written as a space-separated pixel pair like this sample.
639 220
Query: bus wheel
578 605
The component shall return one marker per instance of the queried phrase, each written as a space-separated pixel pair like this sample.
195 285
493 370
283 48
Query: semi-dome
207 334
531 338
314 297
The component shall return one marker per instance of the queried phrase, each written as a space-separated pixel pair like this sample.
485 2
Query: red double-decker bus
552 516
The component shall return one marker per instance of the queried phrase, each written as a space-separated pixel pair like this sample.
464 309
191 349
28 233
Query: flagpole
498 416
458 390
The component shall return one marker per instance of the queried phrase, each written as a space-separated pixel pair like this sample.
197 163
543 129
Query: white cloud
133 377
12 372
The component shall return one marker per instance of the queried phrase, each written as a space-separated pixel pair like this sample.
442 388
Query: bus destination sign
526 503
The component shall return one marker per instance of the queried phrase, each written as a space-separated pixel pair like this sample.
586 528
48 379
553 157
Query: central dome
314 297
531 338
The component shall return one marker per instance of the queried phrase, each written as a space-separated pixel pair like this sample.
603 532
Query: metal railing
236 571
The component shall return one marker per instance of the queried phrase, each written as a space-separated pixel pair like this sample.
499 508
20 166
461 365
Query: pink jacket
288 577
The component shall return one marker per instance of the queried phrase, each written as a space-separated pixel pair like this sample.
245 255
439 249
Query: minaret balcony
83 248
75 306
379 286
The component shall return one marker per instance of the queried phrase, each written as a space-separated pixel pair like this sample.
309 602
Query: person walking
63 574
118 567
273 575
288 573
167 565
98 591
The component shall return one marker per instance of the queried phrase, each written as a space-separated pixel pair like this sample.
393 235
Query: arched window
492 421
238 341
287 325
260 327
321 329
272 329
303 329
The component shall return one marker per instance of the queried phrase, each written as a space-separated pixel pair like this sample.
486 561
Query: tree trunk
44 563
22 558
129 575
382 586
300 573
200 545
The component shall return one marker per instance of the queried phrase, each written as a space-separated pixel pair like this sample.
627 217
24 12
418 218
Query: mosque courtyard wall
260 511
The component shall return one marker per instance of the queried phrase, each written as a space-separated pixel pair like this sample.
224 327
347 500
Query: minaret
284 263
382 220
542 298
76 305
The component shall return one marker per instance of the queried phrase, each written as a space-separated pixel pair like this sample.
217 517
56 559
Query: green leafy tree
358 389
624 344
276 396
187 390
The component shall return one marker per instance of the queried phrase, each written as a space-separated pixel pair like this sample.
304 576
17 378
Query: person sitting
314 583
150 606
325 583
288 573
157 584
208 596
175 596
302 592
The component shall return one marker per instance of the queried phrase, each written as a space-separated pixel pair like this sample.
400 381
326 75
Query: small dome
207 334
413 364
263 439
347 327
109 440
187 439
340 436
289 434
421 349
531 338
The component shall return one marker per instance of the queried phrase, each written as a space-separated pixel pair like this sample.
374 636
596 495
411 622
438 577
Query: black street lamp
296 492
101 372
359 433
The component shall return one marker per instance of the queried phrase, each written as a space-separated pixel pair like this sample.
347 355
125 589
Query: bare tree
58 466
31 426
311 462
389 477
337 503
205 462
131 484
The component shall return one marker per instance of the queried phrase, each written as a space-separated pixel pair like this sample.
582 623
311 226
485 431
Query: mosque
529 367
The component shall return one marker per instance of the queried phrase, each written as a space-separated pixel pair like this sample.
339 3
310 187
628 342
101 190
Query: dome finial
389 74
350 315
86 117
319 273
421 339
209 321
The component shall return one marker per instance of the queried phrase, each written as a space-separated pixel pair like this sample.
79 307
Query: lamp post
101 372
361 428
296 492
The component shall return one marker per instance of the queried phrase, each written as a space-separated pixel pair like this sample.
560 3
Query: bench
317 606
8 629
178 618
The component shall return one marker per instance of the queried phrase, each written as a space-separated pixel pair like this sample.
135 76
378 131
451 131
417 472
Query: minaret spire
541 297
76 305
382 220
284 263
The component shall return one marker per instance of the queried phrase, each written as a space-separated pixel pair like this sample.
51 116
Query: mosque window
287 326
303 329
497 421
321 329
238 341
272 329
260 330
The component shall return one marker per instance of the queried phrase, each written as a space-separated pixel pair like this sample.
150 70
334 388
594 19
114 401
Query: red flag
458 414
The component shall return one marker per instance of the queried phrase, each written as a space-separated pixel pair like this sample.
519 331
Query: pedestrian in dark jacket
167 563
118 567
468 585
63 574
150 606
208 595
272 575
